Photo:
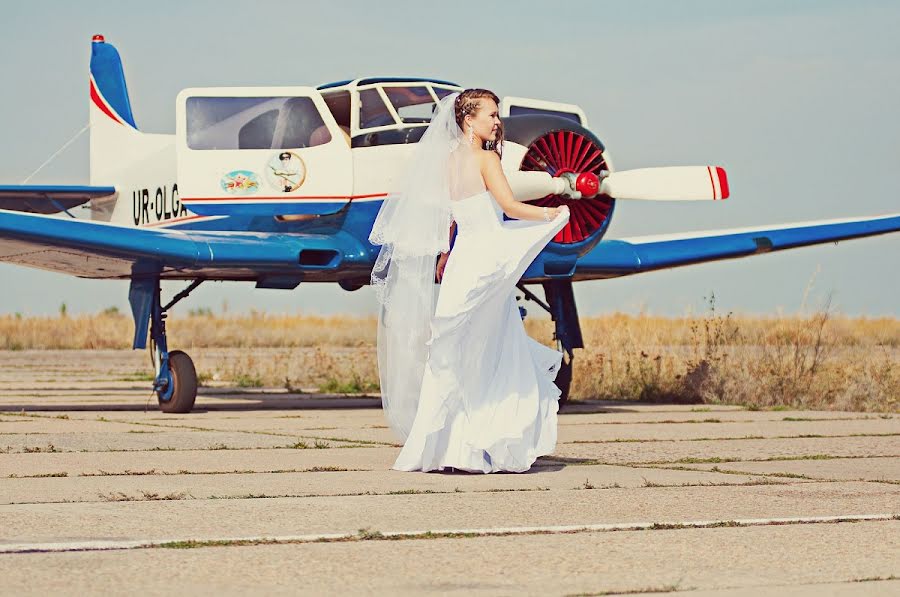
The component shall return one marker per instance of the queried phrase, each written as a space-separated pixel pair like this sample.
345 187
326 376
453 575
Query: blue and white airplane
281 185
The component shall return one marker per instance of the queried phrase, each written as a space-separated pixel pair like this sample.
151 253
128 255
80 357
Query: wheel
182 382
564 379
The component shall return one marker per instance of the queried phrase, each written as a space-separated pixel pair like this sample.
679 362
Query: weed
40 449
368 534
704 460
38 476
204 377
354 385
118 496
178 495
244 380
641 591
410 491
138 376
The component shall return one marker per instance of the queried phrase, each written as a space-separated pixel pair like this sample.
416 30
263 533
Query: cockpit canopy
387 110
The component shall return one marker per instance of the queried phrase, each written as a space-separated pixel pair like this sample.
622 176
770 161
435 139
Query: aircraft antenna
57 152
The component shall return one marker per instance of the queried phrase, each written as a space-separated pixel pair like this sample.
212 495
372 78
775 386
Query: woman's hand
557 211
441 263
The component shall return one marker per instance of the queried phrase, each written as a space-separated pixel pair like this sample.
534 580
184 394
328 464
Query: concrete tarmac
267 492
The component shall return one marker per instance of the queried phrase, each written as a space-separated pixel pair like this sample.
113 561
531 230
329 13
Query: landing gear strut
175 383
567 333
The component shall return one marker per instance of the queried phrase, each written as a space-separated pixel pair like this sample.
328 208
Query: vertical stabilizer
109 93
140 165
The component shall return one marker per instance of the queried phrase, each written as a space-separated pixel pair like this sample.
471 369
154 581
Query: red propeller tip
98 38
723 182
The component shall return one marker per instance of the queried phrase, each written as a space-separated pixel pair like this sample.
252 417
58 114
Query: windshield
414 104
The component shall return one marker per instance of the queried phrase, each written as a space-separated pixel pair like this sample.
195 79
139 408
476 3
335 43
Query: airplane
280 186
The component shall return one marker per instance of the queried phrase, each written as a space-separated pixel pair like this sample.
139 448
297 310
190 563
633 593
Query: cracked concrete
86 462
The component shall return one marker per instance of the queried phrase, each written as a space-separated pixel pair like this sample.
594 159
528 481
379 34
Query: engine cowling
564 149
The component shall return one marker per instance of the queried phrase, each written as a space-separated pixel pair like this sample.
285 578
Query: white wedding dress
488 401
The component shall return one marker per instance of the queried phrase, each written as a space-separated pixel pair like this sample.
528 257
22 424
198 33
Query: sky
796 99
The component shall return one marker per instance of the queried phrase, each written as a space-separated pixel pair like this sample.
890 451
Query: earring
471 134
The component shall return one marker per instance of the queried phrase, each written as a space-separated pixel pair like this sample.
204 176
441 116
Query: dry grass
814 361
331 370
111 330
819 360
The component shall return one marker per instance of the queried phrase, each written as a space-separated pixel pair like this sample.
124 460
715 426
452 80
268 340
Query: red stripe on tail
95 97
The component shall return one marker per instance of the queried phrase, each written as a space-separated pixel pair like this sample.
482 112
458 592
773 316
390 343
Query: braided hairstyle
468 102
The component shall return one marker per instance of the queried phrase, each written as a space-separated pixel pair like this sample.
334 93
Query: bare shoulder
488 159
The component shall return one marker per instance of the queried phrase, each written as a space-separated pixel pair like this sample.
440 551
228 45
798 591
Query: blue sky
797 100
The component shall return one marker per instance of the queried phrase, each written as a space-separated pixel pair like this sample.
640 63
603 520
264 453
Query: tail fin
109 93
138 164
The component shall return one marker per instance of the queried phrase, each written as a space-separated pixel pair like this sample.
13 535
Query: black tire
184 382
564 379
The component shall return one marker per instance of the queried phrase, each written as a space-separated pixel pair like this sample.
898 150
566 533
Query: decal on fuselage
240 182
286 171
156 205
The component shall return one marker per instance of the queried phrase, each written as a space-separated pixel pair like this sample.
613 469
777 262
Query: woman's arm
496 183
442 260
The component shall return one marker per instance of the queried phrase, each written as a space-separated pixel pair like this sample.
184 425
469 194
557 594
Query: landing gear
176 386
564 377
567 333
175 383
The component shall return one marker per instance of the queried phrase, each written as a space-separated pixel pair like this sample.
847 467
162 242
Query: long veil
412 227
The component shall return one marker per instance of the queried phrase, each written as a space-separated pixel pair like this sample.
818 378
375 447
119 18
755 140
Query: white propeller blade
676 183
527 185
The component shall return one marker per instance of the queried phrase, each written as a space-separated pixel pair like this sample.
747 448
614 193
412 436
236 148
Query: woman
462 384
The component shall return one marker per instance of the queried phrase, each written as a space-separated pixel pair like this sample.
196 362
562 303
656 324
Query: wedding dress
462 384
479 353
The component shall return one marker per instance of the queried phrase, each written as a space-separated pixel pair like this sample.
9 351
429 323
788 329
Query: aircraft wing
100 250
48 199
626 256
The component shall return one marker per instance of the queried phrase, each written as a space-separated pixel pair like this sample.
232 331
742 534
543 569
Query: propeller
570 167
673 183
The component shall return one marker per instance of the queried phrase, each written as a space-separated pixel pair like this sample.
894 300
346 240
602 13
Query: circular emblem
286 171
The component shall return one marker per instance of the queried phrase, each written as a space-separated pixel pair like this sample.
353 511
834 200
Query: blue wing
48 199
99 250
623 257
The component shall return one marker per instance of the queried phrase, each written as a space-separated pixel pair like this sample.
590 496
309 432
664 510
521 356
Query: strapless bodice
478 214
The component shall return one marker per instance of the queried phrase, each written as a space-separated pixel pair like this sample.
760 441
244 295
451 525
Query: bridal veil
412 228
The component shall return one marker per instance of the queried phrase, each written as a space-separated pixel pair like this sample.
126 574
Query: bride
462 384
